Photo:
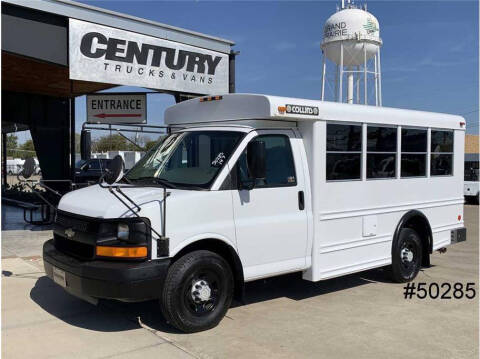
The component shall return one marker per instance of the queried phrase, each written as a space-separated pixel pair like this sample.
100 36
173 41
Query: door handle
301 201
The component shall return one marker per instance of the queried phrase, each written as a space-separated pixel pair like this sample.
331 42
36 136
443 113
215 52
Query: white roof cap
233 107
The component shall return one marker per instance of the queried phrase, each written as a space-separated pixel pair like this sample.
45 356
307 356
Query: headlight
123 231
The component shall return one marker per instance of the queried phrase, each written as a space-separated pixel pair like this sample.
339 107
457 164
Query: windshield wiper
156 180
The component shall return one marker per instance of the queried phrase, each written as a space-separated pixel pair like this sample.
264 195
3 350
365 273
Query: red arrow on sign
104 115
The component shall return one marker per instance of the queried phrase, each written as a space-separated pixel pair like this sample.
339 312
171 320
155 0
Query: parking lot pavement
362 315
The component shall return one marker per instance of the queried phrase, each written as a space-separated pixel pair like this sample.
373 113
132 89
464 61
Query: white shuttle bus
252 186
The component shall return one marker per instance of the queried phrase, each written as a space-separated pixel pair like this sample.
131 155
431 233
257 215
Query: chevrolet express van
251 186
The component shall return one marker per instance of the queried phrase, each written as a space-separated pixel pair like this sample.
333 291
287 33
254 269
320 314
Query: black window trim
431 153
426 153
230 182
344 123
397 157
294 184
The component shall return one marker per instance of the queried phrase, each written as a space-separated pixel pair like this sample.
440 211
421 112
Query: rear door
270 219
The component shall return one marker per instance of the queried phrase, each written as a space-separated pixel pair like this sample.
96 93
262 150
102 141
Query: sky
429 54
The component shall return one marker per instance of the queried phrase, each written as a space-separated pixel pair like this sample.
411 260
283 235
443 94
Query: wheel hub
407 255
201 291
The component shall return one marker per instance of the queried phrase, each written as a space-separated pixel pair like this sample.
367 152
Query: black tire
406 256
213 277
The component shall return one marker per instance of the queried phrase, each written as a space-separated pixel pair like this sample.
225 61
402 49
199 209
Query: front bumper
128 281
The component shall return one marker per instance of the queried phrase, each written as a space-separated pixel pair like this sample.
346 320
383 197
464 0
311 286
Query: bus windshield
186 159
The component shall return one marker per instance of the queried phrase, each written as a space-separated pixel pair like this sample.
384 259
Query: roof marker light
211 98
282 109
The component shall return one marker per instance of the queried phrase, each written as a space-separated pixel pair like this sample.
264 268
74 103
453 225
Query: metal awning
75 10
36 46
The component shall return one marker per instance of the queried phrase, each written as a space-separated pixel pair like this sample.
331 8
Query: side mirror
85 144
256 164
257 160
114 170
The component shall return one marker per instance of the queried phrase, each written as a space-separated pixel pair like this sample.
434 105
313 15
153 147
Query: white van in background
14 166
471 186
253 186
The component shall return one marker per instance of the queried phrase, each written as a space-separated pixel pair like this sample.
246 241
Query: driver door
270 220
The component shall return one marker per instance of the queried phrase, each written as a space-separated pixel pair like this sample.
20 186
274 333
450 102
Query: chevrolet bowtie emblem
69 233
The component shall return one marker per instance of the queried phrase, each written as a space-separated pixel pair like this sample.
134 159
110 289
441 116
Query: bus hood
98 202
190 214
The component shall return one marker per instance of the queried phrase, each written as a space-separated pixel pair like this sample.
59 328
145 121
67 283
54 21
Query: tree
149 144
112 143
77 143
12 143
27 149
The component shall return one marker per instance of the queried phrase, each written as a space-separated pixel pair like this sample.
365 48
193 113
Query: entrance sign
103 54
117 108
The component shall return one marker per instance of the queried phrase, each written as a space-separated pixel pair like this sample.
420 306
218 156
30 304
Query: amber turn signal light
122 252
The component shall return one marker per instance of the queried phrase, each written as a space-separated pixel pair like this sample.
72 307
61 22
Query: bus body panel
343 208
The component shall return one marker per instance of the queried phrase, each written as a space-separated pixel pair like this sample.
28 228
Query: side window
94 165
344 152
280 168
104 164
414 152
381 152
441 161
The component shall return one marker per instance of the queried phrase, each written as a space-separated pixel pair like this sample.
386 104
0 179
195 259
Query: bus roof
233 107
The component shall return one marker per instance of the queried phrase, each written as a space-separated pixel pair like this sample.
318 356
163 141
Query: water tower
351 41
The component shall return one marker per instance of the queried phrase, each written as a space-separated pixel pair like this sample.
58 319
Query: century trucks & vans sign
104 54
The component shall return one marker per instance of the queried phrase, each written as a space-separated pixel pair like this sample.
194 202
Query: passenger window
414 152
381 152
280 168
344 152
94 165
441 161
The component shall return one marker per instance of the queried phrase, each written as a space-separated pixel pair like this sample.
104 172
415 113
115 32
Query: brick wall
471 144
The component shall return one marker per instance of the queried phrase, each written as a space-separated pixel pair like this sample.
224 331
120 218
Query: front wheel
406 256
197 292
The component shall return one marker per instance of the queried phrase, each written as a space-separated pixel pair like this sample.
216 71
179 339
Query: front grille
75 249
74 223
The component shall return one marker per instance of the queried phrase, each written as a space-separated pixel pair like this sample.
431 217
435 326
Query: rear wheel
197 292
406 256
